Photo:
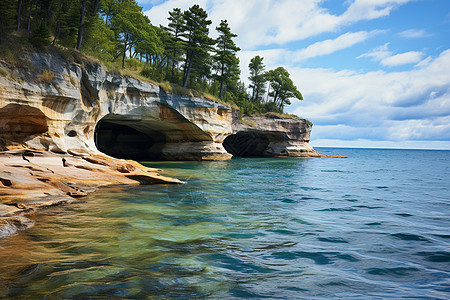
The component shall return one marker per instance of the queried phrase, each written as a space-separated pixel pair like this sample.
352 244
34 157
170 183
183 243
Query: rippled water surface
375 225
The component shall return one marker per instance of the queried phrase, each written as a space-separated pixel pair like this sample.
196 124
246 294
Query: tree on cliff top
225 56
175 46
131 27
282 88
257 78
198 43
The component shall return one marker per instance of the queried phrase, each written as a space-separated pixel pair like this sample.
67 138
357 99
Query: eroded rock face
271 136
83 108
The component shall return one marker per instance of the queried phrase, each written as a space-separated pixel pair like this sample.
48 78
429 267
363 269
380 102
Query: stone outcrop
271 136
67 128
31 180
59 106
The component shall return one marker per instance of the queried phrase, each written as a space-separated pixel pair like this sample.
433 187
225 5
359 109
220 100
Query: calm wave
375 225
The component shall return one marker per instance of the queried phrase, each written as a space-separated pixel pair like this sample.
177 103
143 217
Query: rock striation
68 127
81 108
271 136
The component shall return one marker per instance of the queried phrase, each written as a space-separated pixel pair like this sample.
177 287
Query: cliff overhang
67 128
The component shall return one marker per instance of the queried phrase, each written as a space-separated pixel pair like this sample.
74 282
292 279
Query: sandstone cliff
82 108
67 128
271 136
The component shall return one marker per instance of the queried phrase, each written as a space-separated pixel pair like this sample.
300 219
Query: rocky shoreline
32 180
65 135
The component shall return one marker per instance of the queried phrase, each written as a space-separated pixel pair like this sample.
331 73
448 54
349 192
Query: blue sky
373 73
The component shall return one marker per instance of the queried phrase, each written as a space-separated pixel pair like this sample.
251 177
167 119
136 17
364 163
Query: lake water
372 226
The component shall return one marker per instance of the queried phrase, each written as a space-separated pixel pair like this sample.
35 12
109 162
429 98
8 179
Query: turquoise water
372 226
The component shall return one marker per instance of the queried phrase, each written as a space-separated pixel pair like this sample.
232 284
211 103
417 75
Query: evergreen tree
175 44
81 26
282 88
8 15
257 78
225 57
41 36
198 43
131 27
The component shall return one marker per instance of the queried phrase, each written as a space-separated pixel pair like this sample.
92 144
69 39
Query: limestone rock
85 109
271 136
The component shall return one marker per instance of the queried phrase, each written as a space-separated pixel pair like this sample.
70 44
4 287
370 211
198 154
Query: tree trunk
19 8
221 80
29 21
187 73
81 28
124 52
221 90
185 66
96 3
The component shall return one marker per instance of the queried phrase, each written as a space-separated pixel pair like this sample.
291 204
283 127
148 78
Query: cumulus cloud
408 105
265 22
370 9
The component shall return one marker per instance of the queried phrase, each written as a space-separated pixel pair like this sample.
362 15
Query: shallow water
374 226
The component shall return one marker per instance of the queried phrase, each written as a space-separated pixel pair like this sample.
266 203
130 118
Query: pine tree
198 43
257 78
8 15
175 45
225 56
131 27
282 88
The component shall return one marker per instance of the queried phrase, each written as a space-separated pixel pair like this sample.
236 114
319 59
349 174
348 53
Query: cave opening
247 144
129 139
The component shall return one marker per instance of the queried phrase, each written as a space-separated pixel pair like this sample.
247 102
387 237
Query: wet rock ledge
69 127
31 180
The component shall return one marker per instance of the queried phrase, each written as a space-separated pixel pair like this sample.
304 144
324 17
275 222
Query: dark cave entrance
128 139
247 144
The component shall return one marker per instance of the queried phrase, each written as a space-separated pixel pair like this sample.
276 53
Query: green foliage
258 78
41 36
174 45
118 34
132 29
8 15
198 43
282 88
100 40
225 57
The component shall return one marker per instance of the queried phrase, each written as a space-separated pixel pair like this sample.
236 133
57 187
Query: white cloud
410 57
363 143
389 59
158 14
332 45
265 22
414 33
370 9
396 106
